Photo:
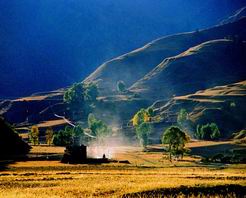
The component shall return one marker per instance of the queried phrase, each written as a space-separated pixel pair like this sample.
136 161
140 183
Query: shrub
208 132
121 87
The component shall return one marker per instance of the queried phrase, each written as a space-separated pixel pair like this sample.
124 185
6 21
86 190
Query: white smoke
107 146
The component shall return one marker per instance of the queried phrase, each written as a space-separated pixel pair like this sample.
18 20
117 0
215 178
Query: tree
215 131
63 137
140 117
150 112
77 134
91 92
74 95
176 140
121 87
198 132
49 136
34 135
182 117
98 128
141 122
143 131
208 131
81 97
70 135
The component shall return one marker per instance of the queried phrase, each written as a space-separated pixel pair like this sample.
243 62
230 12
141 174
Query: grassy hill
224 105
209 64
134 65
183 71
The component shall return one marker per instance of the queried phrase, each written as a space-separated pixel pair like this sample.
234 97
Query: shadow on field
210 150
229 190
155 149
5 163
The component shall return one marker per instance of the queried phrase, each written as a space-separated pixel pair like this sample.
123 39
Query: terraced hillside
224 105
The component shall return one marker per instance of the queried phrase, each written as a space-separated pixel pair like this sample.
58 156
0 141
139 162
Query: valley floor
146 171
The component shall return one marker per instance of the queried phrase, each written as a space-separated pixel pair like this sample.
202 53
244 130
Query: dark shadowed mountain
134 65
48 44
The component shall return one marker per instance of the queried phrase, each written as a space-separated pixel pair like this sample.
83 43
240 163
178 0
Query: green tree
215 131
121 87
141 122
150 112
198 132
63 137
176 140
75 94
182 117
98 128
81 98
209 131
77 135
70 135
143 131
49 136
34 135
91 92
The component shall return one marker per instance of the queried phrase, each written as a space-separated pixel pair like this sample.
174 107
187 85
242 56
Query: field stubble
147 171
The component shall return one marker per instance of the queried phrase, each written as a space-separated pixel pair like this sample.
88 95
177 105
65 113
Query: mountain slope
212 63
134 65
224 105
48 44
239 14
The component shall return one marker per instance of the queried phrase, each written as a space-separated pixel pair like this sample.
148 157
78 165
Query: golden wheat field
146 171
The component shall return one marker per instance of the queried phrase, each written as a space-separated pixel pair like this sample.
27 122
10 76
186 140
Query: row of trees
209 131
34 135
81 93
97 129
174 136
70 135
